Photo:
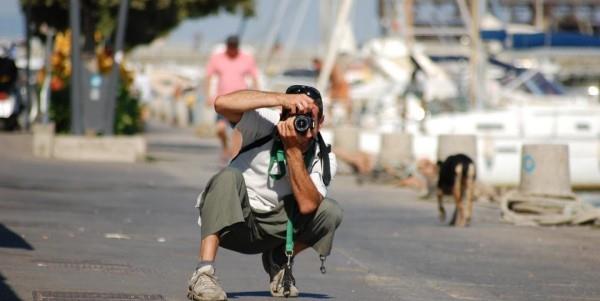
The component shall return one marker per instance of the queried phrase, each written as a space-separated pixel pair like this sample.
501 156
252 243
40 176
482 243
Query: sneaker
274 266
204 286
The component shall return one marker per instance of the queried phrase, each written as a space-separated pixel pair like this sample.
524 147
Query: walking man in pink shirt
232 69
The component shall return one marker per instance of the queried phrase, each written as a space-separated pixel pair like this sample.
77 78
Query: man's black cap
311 92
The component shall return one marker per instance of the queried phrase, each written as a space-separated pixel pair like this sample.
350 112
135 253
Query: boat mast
334 44
267 50
477 60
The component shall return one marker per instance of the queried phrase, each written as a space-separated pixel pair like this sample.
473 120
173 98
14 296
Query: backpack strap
257 143
324 151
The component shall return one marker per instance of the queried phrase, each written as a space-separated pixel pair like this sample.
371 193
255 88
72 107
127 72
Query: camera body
303 123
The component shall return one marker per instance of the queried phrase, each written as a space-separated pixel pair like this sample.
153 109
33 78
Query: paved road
126 230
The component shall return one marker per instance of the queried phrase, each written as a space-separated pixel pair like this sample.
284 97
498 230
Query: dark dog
456 178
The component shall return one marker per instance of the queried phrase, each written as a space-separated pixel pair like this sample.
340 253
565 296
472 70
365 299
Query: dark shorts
225 210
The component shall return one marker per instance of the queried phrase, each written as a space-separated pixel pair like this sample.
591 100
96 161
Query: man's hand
289 137
297 103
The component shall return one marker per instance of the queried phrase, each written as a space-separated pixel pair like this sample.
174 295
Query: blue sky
214 28
11 20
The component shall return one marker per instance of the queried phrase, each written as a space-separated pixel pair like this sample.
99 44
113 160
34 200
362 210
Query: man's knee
228 175
332 213
223 183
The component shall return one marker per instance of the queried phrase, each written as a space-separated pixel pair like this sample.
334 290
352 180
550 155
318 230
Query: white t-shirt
264 193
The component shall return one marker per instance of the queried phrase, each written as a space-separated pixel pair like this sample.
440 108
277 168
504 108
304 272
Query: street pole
113 85
76 108
28 62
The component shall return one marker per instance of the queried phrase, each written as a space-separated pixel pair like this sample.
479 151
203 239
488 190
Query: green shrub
60 109
127 117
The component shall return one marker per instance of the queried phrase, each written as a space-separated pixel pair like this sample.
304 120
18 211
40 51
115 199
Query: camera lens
302 123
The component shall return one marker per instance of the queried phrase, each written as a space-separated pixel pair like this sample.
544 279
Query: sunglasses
302 89
310 92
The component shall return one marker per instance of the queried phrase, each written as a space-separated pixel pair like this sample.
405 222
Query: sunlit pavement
126 231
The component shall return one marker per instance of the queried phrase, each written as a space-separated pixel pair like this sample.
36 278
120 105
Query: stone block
43 140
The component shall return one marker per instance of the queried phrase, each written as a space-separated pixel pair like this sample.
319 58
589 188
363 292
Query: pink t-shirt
231 72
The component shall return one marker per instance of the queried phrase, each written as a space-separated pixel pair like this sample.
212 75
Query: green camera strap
278 156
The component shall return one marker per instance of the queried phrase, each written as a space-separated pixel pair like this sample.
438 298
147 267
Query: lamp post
27 61
76 109
112 87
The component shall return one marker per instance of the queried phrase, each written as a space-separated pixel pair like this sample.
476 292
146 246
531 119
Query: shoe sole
193 297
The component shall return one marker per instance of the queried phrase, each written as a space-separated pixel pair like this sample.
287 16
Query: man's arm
305 192
233 105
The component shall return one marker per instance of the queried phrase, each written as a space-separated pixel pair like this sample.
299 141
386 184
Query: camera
302 123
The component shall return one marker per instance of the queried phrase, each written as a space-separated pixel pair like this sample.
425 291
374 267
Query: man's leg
224 204
222 135
318 230
315 230
208 248
236 143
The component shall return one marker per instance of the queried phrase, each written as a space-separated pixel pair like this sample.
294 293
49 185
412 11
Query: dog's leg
457 193
442 211
470 189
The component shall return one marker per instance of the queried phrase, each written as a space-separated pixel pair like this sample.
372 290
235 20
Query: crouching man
271 199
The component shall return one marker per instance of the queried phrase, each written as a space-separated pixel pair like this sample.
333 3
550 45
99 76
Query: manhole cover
89 296
91 266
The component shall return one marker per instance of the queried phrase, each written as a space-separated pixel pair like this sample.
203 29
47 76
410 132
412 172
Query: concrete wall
80 148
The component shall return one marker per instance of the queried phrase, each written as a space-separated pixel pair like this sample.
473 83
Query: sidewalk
129 230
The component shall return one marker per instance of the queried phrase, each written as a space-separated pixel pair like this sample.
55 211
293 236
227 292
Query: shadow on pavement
10 239
235 295
6 293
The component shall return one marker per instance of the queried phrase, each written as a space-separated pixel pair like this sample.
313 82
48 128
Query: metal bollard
347 138
457 144
545 170
544 196
346 144
181 114
396 150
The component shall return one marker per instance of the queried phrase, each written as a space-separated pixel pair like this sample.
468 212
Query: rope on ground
546 210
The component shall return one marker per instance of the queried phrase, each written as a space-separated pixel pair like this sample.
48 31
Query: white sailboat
512 116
